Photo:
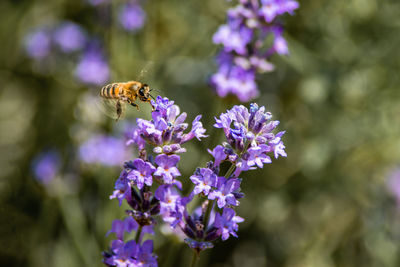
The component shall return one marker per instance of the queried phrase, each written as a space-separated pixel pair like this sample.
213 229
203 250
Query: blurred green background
337 96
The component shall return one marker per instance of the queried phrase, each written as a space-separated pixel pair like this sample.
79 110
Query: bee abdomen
109 91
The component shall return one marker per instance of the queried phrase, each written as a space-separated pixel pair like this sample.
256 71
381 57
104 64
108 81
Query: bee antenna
154 90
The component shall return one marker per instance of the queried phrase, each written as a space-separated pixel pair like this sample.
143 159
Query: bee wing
148 66
113 108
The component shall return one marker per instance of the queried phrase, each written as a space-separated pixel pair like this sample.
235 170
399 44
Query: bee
117 94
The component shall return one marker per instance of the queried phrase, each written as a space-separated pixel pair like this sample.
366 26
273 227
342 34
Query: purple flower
120 227
167 167
219 154
122 255
38 43
225 192
145 255
170 201
204 179
244 52
122 188
46 166
250 137
165 132
92 68
105 150
257 156
130 254
227 223
141 173
132 17
69 37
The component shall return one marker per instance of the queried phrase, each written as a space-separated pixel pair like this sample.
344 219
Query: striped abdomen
111 91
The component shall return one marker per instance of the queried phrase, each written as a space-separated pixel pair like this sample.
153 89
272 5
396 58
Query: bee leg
119 110
134 105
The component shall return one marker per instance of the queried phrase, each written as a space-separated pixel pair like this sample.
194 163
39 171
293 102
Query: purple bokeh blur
105 150
92 67
132 17
38 43
69 37
46 166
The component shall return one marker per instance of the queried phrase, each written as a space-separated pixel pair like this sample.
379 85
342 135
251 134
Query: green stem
230 171
194 259
138 233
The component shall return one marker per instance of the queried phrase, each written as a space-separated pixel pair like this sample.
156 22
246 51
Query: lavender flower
225 192
141 173
167 168
170 201
92 68
132 17
120 227
38 43
204 179
227 223
130 254
250 138
46 166
243 38
69 37
166 130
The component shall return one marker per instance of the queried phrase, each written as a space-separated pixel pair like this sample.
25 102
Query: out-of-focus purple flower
141 173
225 192
38 43
132 17
69 37
244 52
165 132
106 150
167 167
92 67
46 166
227 223
204 179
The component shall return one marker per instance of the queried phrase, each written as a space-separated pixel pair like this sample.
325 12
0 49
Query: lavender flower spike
244 52
165 132
249 137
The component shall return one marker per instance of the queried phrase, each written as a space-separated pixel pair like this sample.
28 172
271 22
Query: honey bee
117 94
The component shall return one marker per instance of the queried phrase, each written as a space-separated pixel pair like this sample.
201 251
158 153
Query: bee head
144 92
